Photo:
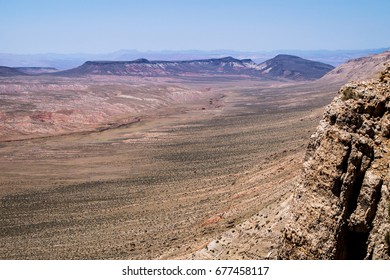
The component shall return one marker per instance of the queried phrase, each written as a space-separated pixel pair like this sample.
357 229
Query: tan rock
341 206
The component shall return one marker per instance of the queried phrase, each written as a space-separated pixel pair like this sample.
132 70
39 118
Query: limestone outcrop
341 206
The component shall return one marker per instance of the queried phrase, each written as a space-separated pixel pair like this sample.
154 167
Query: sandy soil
205 178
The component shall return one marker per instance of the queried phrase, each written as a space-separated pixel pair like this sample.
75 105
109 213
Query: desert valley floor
208 177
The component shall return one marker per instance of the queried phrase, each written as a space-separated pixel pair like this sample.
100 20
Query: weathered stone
361 219
340 208
385 125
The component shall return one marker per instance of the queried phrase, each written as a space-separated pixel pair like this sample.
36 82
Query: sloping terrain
362 68
36 106
163 187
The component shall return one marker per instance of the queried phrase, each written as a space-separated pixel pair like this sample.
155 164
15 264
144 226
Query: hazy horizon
68 61
198 51
95 27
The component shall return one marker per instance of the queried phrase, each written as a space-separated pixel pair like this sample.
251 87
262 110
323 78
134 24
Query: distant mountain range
68 61
17 71
280 67
9 71
144 67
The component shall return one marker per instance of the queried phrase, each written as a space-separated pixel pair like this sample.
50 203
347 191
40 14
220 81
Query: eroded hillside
357 69
33 107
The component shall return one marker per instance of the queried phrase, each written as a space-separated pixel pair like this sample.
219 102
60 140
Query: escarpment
341 207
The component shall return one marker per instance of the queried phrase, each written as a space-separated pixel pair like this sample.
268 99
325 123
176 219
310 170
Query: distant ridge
36 70
294 68
9 72
284 67
157 68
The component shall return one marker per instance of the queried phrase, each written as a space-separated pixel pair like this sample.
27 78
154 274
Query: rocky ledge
341 206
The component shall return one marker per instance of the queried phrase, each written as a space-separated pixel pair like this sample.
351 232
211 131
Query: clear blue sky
98 26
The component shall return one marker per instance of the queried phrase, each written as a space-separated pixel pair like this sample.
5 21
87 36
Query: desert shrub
349 93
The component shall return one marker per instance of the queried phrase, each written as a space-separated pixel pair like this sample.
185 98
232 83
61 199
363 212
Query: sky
102 26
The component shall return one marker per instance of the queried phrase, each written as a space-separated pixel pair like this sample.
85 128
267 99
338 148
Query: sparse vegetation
349 93
125 192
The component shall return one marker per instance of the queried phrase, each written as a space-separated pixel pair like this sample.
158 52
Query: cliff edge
341 206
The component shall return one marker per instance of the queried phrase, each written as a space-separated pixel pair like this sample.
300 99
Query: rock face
341 207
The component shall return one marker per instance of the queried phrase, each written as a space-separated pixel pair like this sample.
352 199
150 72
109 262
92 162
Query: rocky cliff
341 207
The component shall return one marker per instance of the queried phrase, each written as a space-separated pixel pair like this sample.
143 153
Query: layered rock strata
341 207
